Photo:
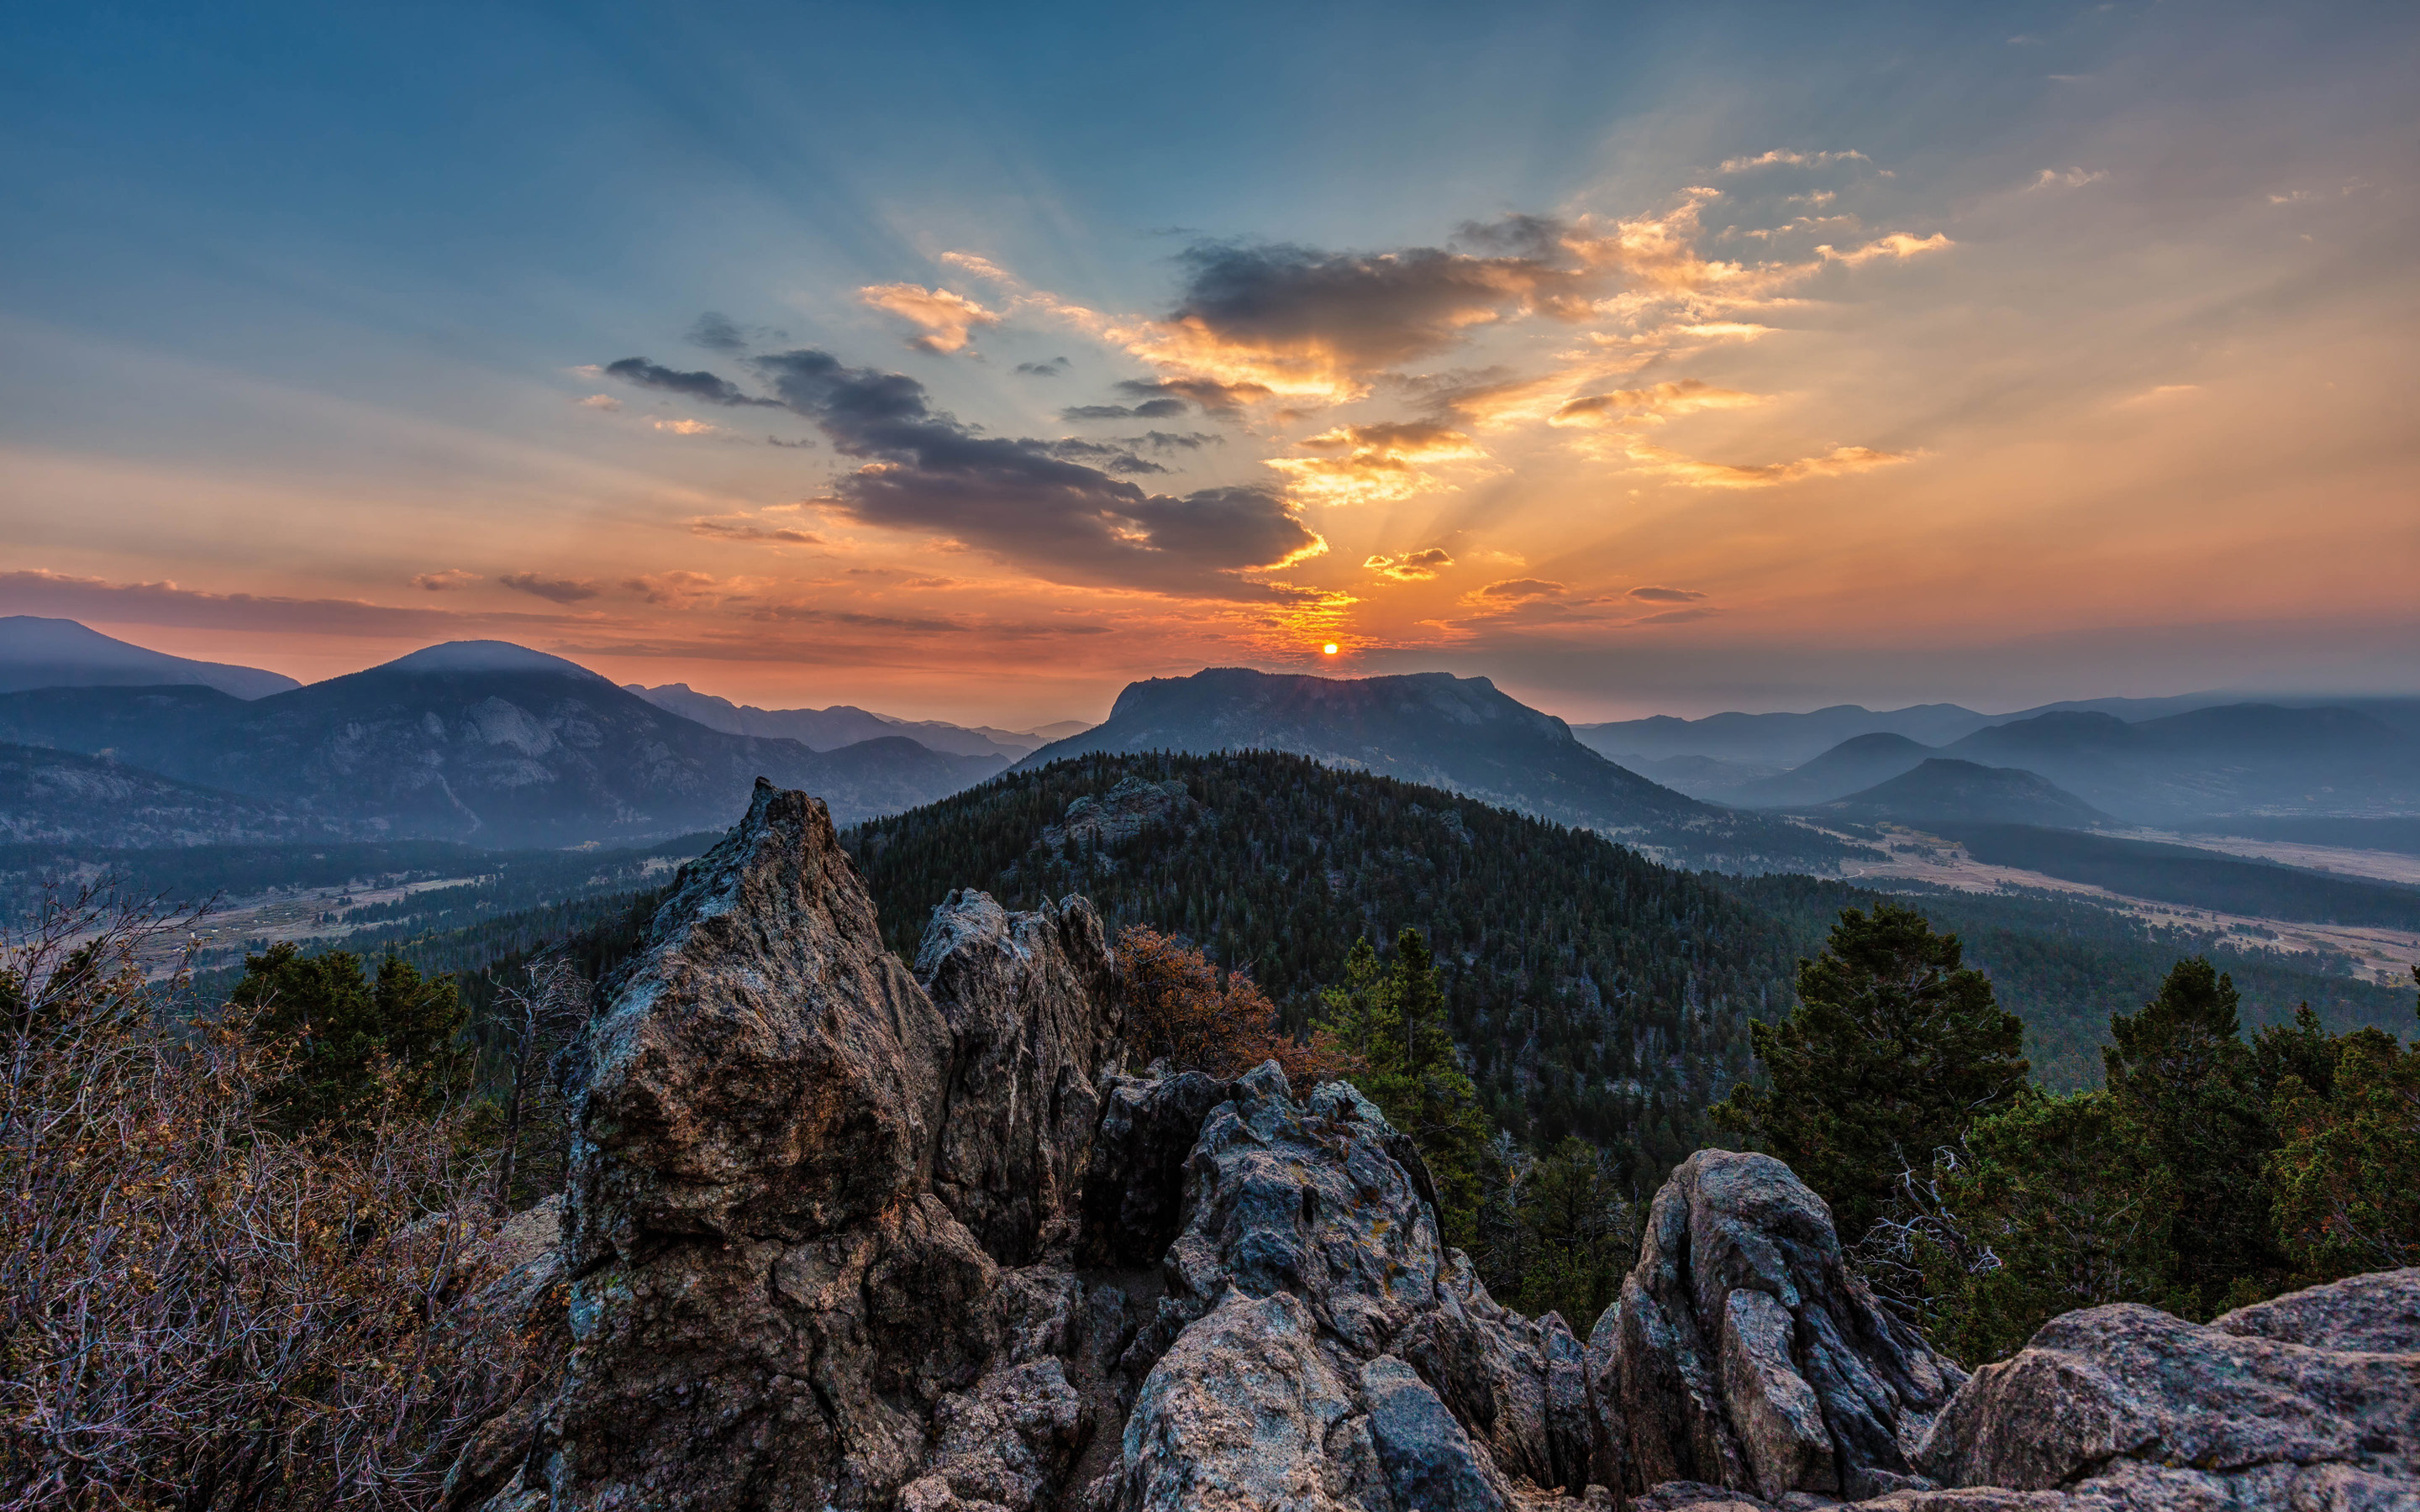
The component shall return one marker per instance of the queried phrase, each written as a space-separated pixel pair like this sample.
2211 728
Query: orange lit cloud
438 582
949 321
1898 246
1412 567
1373 464
1840 462
1651 405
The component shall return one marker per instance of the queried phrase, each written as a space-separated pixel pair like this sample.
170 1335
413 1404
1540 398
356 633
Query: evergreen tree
1579 1236
344 1031
1392 1019
2047 1206
1893 1051
2185 1084
2346 1174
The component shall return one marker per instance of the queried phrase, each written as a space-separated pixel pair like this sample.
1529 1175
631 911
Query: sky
971 362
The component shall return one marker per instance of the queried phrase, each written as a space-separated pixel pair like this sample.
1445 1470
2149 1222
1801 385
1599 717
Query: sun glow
1328 649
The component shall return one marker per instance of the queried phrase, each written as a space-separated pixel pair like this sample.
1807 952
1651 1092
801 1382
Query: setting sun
1328 649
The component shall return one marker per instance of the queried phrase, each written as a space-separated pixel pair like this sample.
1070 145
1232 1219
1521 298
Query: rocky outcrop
845 1234
1742 1352
2311 1399
800 1173
1311 1297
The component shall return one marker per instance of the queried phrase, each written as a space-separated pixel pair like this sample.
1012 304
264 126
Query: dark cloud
716 333
445 581
776 440
1412 567
1215 397
1514 588
553 590
1049 369
705 387
1171 440
1536 238
1018 499
1112 456
1666 595
1365 312
1677 616
1155 409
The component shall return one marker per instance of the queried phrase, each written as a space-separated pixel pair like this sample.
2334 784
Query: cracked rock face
799 1174
1742 1353
2310 1399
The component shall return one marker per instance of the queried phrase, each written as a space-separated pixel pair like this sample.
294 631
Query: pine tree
1580 1236
1893 1051
1391 1018
2347 1172
2185 1084
344 1032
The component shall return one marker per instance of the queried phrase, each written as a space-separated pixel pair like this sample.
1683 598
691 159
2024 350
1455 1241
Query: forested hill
1596 992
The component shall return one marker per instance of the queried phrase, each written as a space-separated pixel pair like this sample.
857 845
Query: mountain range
478 741
1460 733
846 725
2177 768
1944 791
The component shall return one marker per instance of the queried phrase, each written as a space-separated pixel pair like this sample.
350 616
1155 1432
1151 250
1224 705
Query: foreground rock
1742 1354
841 1234
2309 1401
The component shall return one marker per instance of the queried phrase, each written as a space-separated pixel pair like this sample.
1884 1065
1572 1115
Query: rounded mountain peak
484 657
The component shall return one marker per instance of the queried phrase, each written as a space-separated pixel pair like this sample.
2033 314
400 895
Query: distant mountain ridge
43 653
1461 733
58 797
476 741
839 725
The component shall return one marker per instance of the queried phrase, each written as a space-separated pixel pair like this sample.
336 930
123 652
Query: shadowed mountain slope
1456 732
1847 767
42 653
57 798
1776 739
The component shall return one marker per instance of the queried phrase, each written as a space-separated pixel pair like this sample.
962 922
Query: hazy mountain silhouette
1456 732
839 725
1944 790
1778 739
39 653
480 741
1852 765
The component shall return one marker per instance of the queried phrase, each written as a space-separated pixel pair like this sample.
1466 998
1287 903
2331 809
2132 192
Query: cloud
705 387
1305 324
1898 245
679 588
1111 456
715 332
599 401
553 590
1515 590
1677 616
1049 369
744 527
1165 440
1373 464
2162 394
690 427
923 470
800 445
1650 404
438 582
1412 567
1665 595
948 320
37 591
2071 178
1839 462
1782 157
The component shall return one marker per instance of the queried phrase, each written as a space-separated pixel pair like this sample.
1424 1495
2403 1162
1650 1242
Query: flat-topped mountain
1462 734
478 741
42 653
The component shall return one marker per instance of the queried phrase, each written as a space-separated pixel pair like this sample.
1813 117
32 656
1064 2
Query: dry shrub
197 1312
1183 1008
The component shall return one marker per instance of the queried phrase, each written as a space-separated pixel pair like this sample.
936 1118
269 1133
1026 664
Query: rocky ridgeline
841 1234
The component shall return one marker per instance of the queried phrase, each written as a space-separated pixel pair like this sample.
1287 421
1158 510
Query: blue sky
2067 351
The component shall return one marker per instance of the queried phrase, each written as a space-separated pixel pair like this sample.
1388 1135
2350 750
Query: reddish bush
1181 1008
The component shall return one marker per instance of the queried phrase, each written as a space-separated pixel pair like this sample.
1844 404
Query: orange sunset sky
962 366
